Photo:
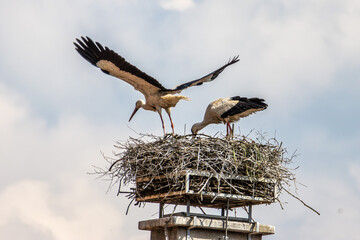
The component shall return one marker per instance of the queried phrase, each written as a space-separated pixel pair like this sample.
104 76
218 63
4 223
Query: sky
59 114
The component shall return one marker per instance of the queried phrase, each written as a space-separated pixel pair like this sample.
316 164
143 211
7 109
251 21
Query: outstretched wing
245 104
112 63
208 78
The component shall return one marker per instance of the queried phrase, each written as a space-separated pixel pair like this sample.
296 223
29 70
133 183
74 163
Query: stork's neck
200 125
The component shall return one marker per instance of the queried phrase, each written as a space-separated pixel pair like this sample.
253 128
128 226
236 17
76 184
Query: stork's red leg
162 121
228 129
168 111
172 125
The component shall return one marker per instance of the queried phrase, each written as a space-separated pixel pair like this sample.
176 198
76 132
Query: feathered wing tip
89 50
94 53
208 78
233 60
218 71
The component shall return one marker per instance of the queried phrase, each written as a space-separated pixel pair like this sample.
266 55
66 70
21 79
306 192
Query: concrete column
198 228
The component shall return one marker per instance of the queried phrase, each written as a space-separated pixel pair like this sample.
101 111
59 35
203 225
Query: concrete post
198 228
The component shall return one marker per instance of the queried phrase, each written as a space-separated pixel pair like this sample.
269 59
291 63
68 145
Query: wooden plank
203 198
207 174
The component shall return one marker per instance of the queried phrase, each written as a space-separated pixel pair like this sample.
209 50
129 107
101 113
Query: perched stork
157 97
227 110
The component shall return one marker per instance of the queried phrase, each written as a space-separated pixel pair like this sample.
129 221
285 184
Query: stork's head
195 128
198 126
139 103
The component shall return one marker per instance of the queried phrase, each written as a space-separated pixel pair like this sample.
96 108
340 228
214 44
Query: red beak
135 110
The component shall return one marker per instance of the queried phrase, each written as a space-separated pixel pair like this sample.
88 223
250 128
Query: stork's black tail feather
256 101
245 104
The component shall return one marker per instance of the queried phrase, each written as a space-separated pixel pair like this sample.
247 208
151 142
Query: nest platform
202 171
204 189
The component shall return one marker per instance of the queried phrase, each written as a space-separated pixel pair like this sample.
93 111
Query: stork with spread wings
157 97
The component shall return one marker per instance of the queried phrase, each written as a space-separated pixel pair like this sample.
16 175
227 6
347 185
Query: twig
302 202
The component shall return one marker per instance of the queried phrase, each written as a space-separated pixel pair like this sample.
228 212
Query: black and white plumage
228 110
157 97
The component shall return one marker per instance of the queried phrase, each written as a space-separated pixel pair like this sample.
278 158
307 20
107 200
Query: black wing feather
244 104
209 77
90 58
95 52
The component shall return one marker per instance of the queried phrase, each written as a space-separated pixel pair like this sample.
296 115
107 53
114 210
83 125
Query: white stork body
228 110
157 97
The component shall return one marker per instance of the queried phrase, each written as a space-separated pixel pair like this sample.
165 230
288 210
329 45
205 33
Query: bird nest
201 171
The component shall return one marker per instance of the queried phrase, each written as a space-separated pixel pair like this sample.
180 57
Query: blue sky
58 113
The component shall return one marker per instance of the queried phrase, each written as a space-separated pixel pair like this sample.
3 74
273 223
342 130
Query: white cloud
179 5
45 192
9 112
336 201
354 170
34 149
76 212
